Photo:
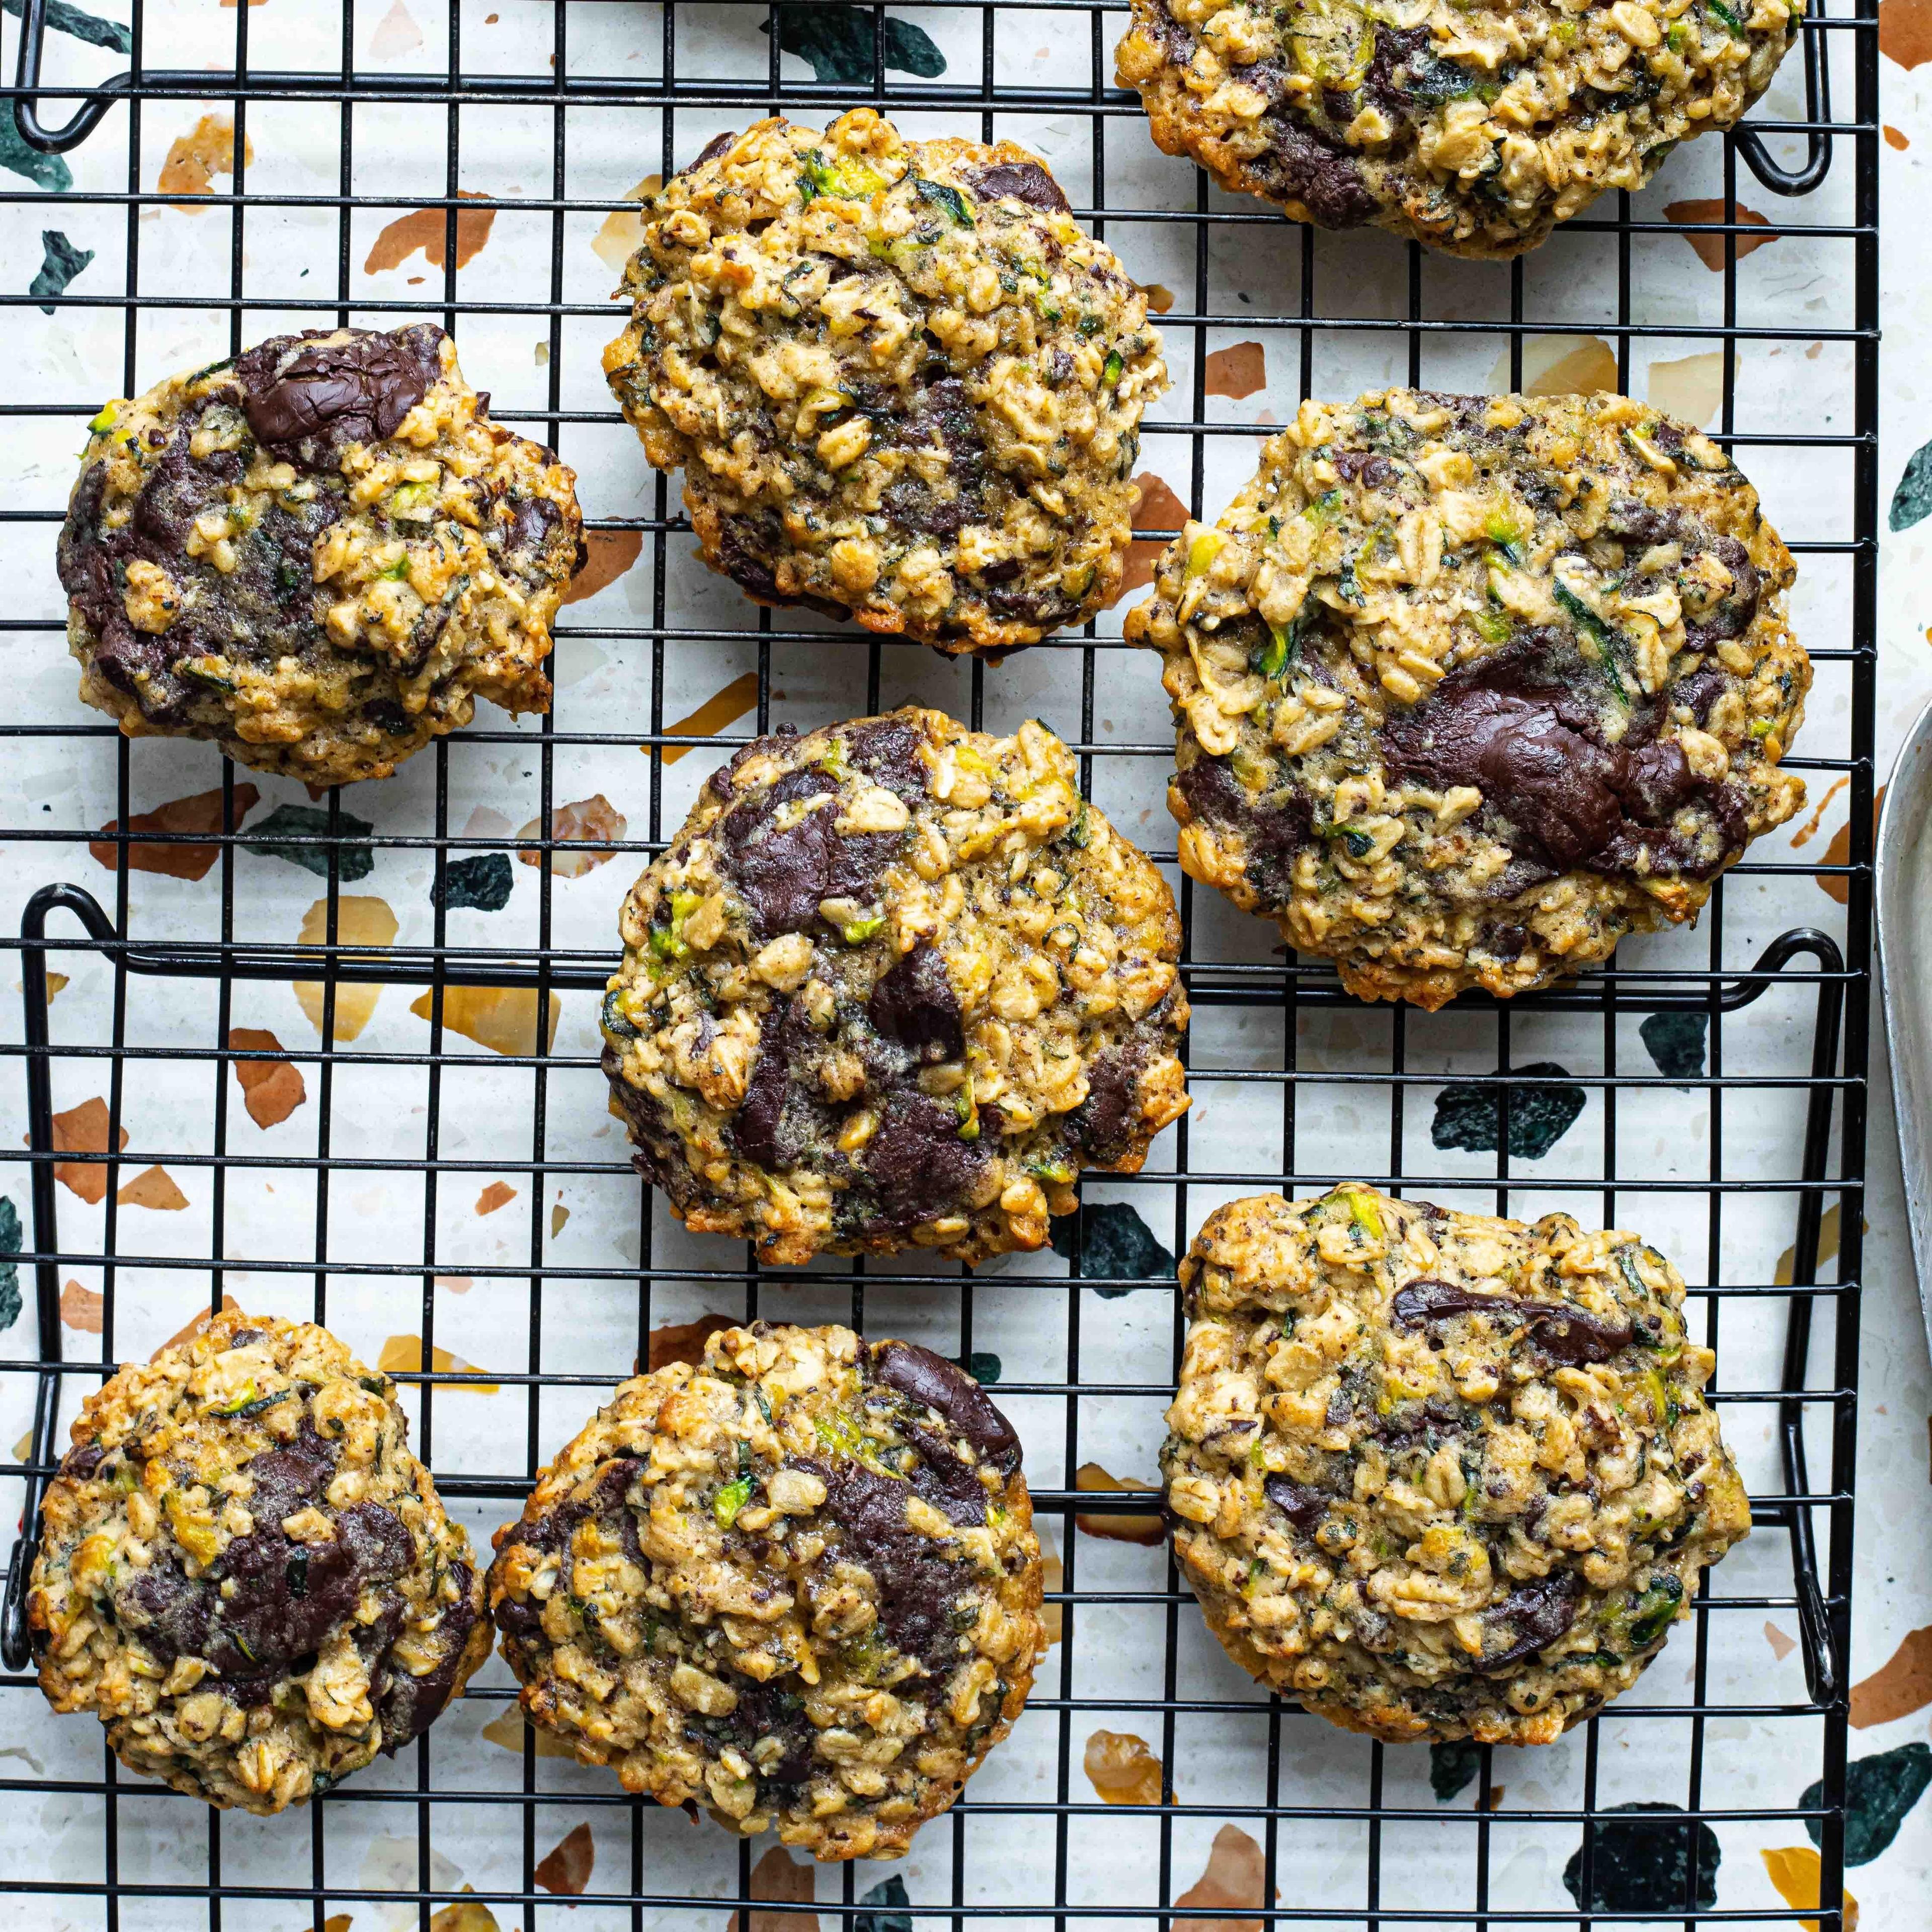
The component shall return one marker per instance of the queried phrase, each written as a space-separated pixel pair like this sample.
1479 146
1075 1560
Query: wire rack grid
1297 1087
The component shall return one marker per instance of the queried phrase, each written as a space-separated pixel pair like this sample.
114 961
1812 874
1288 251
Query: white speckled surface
589 1220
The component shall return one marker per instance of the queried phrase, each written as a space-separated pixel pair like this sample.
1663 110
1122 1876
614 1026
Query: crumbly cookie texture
1468 687
798 1584
245 1574
904 384
318 554
1441 1475
894 984
1472 125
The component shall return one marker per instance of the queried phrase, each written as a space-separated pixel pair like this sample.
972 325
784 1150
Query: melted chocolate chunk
1298 165
289 1597
1531 1619
177 490
917 1167
653 1144
943 1478
1698 691
917 1586
1631 521
1303 1507
82 1460
745 544
1043 608
887 750
1556 788
520 1623
290 1478
913 505
1505 941
782 875
1659 780
172 1614
522 524
754 1130
914 1003
310 409
1733 614
1519 876
1107 1119
1018 180
409 1705
944 1387
942 413
774 744
768 1711
1410 1422
602 1498
1360 467
1275 831
1388 82
1515 726
741 552
1564 1333
717 145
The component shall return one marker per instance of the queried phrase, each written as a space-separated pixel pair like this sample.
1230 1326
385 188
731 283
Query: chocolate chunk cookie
245 1573
1440 1475
904 384
1469 687
797 1584
318 554
1475 128
894 983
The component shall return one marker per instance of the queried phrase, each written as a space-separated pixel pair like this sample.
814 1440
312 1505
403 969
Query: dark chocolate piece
330 395
1303 1507
1019 181
914 1003
782 875
1563 1332
1537 1615
887 750
408 1705
917 1585
1107 1119
1299 165
943 1386
916 1166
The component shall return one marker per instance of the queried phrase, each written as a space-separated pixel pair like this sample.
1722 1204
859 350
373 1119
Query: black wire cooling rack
1807 1059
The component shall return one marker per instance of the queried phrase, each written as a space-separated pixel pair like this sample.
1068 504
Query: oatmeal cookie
894 983
318 554
1469 687
1473 125
245 1573
797 1584
1441 1475
904 384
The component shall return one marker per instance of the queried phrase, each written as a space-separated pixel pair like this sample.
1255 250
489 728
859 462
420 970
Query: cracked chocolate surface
318 555
797 1583
1476 128
905 386
245 1572
1441 1475
894 985
1467 688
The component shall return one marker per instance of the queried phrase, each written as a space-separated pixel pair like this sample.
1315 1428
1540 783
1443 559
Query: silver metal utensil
1904 904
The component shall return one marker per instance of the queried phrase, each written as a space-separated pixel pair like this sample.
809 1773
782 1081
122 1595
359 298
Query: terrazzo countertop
396 1295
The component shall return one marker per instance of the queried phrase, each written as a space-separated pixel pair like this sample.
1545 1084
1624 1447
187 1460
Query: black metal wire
1800 963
